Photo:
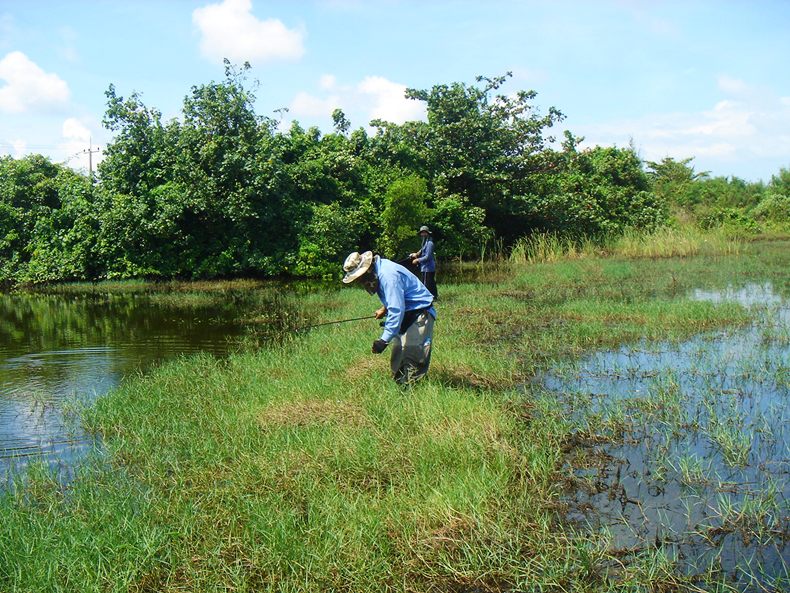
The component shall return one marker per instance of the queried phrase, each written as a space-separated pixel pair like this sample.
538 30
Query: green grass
302 467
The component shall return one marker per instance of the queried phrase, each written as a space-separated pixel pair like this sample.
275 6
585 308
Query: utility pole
89 151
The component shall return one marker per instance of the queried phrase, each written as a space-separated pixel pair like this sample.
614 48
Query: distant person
426 260
408 307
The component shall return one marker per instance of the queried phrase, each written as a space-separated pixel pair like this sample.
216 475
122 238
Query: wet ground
685 447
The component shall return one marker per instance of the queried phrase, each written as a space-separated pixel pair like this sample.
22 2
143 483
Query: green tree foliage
480 145
596 192
47 221
773 210
222 191
332 233
405 210
780 184
458 227
673 181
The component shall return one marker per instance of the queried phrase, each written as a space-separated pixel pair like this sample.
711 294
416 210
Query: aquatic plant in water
691 443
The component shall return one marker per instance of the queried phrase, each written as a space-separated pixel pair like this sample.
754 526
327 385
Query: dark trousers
429 280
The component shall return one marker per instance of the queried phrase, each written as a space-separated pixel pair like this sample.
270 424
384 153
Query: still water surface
58 351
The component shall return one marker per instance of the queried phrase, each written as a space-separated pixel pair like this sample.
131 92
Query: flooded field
682 450
58 352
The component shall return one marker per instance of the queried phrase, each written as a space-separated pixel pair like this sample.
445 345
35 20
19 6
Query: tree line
222 191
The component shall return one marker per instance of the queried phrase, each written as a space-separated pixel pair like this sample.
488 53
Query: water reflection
57 351
686 447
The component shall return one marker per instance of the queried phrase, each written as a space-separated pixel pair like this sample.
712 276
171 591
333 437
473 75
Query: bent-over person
408 308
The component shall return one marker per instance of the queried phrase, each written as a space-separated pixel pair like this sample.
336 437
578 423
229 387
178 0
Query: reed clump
667 242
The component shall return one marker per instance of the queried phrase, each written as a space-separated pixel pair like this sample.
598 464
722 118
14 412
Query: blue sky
708 79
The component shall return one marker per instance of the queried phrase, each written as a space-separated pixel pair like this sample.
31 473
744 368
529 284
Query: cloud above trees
374 97
27 87
230 30
745 124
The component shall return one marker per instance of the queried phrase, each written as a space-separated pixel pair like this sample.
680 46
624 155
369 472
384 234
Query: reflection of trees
36 323
139 329
53 347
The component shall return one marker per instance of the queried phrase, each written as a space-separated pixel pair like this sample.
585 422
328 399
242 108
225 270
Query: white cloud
230 30
727 119
751 133
390 103
18 148
307 105
77 137
73 129
27 86
374 97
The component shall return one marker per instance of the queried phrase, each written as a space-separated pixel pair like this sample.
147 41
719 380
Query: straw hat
356 265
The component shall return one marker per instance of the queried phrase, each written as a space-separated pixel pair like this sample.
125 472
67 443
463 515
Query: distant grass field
300 466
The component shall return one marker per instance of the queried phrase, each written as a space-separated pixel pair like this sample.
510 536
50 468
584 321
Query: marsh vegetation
296 464
684 447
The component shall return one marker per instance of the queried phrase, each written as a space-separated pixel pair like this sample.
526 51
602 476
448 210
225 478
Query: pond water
684 448
58 351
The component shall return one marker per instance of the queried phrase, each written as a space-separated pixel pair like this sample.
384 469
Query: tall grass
667 242
675 242
551 247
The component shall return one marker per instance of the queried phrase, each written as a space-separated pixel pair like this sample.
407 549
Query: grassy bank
302 467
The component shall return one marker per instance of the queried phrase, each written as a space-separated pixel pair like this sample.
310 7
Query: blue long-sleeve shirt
399 291
425 257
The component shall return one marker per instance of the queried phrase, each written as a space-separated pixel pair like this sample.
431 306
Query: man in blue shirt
408 307
427 262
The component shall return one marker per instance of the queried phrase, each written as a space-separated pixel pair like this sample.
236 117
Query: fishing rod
406 261
333 322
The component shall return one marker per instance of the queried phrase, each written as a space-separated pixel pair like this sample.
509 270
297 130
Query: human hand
380 312
415 261
378 346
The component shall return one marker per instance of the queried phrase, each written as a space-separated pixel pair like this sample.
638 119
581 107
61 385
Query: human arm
426 253
394 300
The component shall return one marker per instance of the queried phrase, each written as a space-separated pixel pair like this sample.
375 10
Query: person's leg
396 357
428 280
413 351
430 284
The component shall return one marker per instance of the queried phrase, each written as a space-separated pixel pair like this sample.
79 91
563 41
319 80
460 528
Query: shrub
773 208
735 221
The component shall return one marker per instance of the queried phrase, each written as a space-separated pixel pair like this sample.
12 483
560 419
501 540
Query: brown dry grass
365 367
312 412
